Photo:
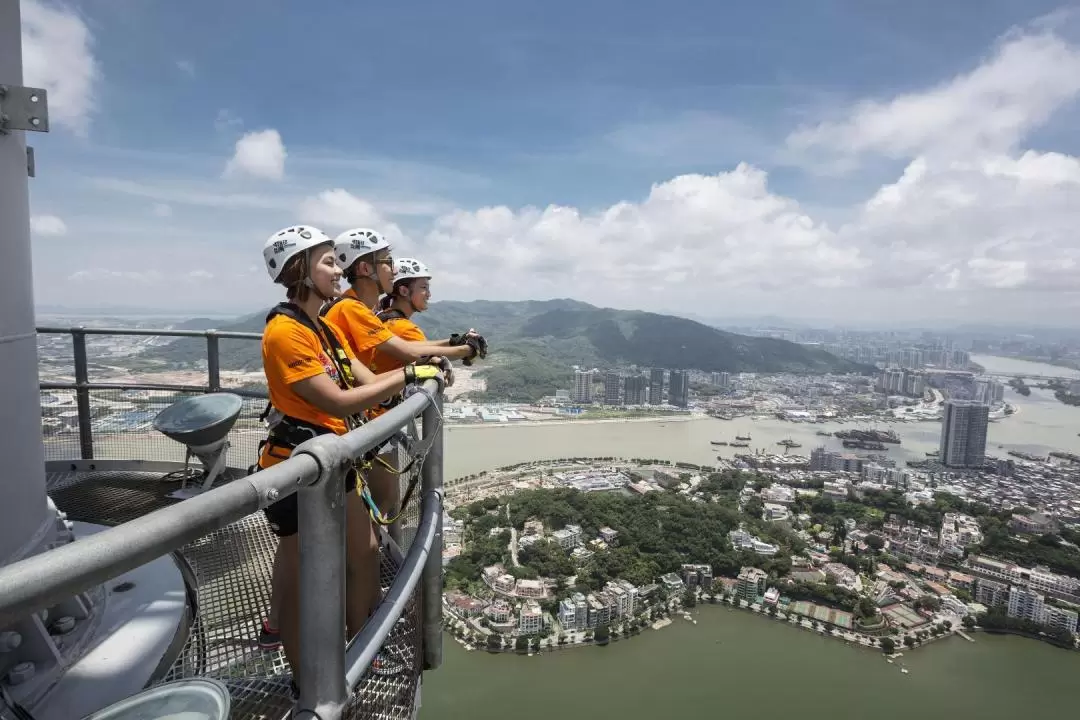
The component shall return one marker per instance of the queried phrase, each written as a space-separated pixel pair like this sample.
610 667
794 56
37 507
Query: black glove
475 341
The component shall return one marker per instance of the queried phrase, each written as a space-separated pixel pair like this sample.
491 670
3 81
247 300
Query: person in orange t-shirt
364 256
310 378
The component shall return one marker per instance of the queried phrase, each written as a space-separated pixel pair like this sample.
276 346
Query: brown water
736 664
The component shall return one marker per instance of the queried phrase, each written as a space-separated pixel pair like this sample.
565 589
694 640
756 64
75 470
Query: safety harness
287 432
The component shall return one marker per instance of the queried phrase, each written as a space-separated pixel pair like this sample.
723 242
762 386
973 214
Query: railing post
322 583
213 361
432 492
82 393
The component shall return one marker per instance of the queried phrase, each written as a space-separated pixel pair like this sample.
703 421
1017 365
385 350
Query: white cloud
162 210
47 226
186 67
695 232
259 154
974 221
997 222
337 210
990 108
57 56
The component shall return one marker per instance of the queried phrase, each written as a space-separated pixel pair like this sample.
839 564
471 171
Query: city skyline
929 179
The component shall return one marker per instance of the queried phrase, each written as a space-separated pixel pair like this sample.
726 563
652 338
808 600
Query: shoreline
593 421
847 637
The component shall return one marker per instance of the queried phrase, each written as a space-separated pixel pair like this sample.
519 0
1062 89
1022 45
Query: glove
448 370
415 374
475 341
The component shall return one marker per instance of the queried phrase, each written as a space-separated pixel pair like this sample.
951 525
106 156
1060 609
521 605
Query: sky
845 160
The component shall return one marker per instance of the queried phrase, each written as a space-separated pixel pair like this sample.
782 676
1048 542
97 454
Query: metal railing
329 670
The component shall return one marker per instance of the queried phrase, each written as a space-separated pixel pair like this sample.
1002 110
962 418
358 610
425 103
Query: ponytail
386 301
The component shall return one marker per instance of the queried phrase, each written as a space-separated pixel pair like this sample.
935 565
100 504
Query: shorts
283 517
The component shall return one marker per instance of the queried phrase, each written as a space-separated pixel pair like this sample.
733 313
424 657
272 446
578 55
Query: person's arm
364 376
322 392
411 351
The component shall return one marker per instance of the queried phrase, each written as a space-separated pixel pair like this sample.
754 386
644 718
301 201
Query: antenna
202 425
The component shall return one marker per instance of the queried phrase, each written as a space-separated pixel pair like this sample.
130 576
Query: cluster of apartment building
927 544
1022 591
504 583
900 381
1024 603
628 389
619 599
911 357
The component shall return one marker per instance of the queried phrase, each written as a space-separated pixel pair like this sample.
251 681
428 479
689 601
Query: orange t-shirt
406 330
292 352
385 362
361 327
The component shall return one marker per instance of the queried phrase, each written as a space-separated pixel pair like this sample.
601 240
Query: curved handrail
315 472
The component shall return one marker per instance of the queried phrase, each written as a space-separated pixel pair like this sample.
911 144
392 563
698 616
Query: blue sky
422 116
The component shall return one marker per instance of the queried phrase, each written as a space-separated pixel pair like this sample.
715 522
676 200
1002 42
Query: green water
733 663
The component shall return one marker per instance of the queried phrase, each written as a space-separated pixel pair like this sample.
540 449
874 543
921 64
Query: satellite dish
190 699
202 424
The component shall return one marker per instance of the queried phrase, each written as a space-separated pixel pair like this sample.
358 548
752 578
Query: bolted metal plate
23 108
231 569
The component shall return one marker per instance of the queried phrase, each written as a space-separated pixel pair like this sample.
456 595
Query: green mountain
535 343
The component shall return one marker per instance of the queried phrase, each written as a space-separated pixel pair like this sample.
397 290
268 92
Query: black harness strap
291 432
391 314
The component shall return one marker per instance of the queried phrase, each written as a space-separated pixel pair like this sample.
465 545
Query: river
735 662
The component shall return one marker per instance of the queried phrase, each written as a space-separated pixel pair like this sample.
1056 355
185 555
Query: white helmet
353 244
409 269
286 244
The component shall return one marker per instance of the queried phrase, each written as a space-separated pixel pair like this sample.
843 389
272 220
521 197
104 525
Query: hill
535 343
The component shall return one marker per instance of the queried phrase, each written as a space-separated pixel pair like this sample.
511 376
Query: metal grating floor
232 568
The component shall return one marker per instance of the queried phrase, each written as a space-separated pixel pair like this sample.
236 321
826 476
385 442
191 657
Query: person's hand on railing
431 369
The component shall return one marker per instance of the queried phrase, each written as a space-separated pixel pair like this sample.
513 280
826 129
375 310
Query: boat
789 443
870 435
718 442
743 438
864 445
739 443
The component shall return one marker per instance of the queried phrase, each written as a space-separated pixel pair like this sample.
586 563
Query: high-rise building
988 390
721 379
583 386
612 381
679 388
963 433
634 390
656 386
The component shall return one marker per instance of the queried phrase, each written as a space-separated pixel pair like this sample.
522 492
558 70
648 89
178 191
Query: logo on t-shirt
330 368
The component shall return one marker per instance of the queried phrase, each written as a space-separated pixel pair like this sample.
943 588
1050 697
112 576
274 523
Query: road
513 537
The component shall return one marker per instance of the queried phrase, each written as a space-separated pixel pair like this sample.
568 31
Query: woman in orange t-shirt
309 376
410 294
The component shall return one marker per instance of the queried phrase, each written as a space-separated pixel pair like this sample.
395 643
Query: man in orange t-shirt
364 257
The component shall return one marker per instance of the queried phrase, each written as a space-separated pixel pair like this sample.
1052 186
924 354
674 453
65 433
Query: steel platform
230 575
